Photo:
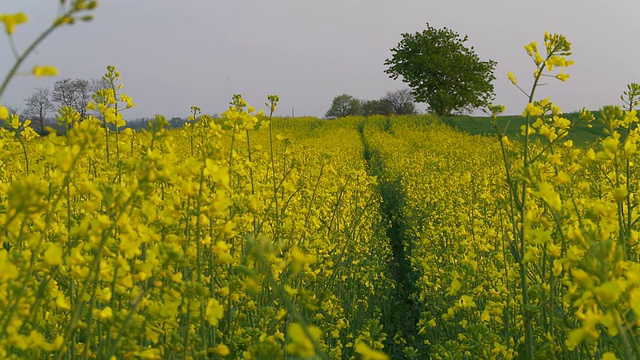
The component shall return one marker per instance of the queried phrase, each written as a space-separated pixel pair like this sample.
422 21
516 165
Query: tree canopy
344 105
377 107
441 72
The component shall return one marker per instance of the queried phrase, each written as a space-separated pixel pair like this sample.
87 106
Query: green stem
24 152
273 167
253 187
26 53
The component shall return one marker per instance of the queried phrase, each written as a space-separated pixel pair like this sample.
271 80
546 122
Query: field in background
481 125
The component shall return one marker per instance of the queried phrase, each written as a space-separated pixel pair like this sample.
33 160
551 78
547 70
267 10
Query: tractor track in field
404 314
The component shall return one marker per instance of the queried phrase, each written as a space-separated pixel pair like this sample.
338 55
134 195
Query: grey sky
173 54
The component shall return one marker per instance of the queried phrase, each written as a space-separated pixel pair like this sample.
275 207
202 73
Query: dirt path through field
404 317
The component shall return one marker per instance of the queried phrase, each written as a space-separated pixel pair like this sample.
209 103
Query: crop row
501 252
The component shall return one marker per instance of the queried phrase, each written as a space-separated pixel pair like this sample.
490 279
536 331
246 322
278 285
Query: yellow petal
53 255
214 312
46 70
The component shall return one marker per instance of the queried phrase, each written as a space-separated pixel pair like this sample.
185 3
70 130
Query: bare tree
63 93
98 84
13 110
38 104
83 96
75 93
401 101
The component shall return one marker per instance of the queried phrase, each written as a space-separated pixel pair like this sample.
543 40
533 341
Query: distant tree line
73 93
399 102
43 104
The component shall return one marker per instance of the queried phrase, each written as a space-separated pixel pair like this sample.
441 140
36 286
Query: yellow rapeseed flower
620 193
299 344
221 349
53 255
608 293
214 312
149 354
547 193
367 353
11 20
8 270
46 70
532 110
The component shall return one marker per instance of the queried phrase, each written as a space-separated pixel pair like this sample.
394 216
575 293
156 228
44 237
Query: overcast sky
173 54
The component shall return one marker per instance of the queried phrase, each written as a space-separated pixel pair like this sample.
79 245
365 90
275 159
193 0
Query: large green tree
441 72
344 105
